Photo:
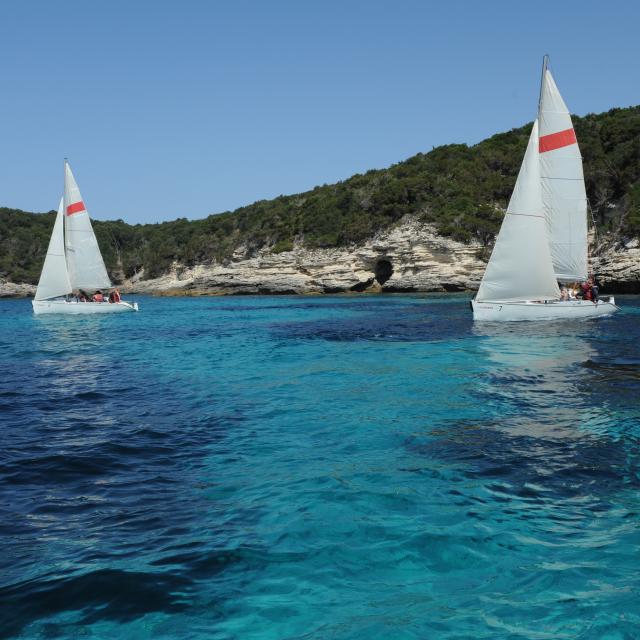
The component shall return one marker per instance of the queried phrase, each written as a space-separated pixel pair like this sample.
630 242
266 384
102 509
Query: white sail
563 192
520 266
54 279
84 260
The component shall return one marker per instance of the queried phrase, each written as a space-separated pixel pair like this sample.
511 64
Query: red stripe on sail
557 140
76 207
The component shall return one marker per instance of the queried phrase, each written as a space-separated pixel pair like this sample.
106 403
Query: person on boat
82 296
564 294
98 297
114 296
586 290
595 291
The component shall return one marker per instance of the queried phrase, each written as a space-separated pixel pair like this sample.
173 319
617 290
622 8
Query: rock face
619 269
408 257
11 290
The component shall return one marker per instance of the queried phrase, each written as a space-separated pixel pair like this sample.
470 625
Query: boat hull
81 308
550 310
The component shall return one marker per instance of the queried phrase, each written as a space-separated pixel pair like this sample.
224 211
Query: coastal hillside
457 192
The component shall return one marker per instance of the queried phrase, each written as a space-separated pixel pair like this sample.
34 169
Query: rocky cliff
618 268
408 257
12 290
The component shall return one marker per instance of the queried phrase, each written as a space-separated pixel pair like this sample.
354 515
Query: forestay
563 192
520 265
84 260
54 279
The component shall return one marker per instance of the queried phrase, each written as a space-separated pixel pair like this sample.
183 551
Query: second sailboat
73 262
543 237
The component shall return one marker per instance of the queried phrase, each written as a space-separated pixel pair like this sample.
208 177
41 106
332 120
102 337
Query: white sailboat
543 237
73 261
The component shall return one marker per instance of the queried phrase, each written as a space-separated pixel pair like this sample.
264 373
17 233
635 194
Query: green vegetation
462 190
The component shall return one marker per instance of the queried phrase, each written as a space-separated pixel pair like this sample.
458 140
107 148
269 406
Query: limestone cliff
12 290
618 268
408 257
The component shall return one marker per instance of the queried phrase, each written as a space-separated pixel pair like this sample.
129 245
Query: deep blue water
331 467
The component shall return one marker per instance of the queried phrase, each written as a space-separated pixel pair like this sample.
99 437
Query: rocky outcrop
618 268
408 257
12 290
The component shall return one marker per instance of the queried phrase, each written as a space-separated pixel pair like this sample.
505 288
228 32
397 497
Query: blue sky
183 109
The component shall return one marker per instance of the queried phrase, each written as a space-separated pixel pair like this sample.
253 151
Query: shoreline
631 288
191 293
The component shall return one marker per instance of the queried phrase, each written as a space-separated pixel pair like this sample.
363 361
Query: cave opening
383 271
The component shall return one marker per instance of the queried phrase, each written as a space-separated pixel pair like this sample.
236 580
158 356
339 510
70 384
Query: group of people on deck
98 296
588 290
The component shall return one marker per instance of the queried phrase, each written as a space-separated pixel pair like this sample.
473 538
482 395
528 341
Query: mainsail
563 192
84 260
520 266
54 279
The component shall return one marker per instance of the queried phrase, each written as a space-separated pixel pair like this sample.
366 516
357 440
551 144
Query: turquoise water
331 467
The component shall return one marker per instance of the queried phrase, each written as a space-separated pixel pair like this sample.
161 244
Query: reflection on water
535 380
61 333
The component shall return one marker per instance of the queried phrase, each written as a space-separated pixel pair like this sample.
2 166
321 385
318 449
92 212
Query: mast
64 204
545 64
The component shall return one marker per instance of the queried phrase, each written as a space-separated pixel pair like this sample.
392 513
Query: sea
350 468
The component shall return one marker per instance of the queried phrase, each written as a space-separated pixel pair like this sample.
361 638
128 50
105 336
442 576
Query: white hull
81 308
550 310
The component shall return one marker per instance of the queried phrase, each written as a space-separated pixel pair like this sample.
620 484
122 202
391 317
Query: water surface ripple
334 467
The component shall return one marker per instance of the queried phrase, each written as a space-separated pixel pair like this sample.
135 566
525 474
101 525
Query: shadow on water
395 321
113 595
547 428
99 502
534 466
104 468
324 303
105 594
622 369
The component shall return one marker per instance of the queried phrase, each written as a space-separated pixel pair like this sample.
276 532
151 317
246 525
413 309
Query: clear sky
181 109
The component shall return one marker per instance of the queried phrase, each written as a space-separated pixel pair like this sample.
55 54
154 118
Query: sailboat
543 237
73 261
